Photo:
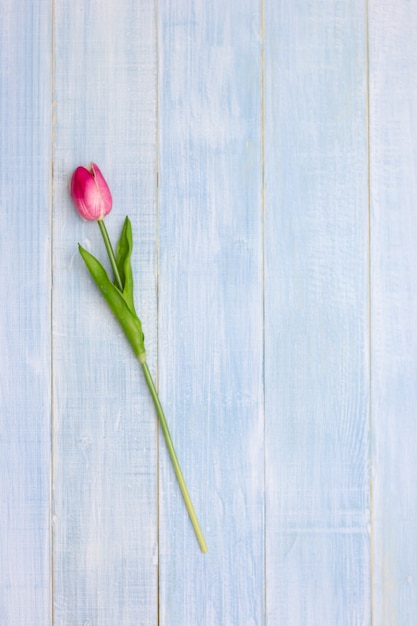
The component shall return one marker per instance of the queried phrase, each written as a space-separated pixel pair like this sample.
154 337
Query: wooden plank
393 124
210 309
105 466
316 314
25 327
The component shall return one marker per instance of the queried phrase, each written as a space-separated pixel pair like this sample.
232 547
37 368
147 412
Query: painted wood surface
105 509
210 303
316 315
25 328
393 141
266 155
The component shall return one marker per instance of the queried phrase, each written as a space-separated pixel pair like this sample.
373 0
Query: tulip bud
90 193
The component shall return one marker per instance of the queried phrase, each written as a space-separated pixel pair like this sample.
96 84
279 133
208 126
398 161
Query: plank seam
51 231
158 282
262 147
370 471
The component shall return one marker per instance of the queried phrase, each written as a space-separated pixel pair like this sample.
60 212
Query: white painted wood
210 309
393 134
105 515
316 315
25 325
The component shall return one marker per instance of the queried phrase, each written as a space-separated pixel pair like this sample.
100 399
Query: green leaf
123 254
127 318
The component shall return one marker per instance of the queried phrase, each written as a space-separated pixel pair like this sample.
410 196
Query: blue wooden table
266 153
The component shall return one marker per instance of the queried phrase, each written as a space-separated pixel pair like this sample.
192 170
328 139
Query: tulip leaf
127 317
123 254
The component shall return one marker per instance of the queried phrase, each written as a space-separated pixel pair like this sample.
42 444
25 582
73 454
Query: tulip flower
92 199
90 193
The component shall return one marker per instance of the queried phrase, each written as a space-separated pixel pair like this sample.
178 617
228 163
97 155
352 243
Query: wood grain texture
25 328
316 314
279 311
105 513
210 309
393 135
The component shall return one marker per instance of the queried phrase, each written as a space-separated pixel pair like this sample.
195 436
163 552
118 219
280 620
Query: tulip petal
103 189
79 181
93 201
90 193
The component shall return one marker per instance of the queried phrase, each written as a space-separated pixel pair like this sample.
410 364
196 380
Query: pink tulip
90 193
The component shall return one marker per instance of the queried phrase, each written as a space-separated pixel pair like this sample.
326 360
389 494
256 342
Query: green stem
110 252
174 459
158 406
